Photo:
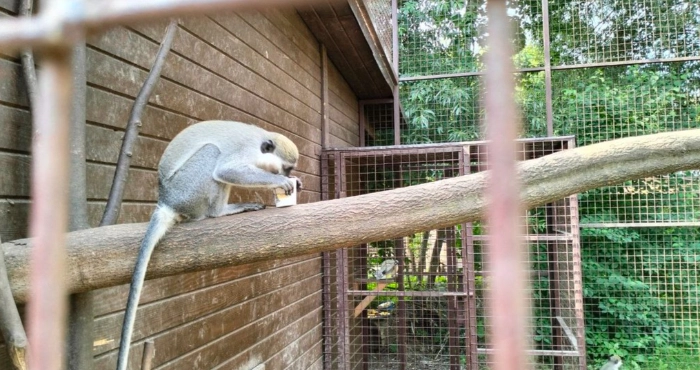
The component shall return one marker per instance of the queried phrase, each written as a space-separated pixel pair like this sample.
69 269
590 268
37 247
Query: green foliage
640 284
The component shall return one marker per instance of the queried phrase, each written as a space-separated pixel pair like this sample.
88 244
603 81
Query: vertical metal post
547 69
325 124
47 306
469 276
578 276
507 303
395 63
362 119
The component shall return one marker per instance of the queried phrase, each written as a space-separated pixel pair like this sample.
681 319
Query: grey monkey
195 175
613 363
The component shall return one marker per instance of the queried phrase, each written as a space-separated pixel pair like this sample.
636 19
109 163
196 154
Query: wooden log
105 256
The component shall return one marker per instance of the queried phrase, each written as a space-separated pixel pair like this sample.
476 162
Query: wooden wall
257 67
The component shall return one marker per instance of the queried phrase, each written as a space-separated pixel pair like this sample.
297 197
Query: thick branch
105 256
116 193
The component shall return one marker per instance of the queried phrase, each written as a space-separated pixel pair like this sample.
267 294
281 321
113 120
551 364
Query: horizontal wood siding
261 67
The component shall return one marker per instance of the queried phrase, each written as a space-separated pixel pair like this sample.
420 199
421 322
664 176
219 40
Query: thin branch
121 175
105 256
28 67
10 323
149 352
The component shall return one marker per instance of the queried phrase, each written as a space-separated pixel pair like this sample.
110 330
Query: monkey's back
231 137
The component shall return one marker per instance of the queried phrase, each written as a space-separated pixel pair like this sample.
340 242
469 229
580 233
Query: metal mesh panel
609 103
429 311
621 30
618 69
379 123
380 14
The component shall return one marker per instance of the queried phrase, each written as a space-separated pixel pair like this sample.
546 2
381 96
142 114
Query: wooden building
263 67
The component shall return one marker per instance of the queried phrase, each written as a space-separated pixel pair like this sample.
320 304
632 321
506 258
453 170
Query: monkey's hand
299 184
288 184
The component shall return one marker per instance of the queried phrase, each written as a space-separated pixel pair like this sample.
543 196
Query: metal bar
446 145
452 301
627 63
603 225
325 119
410 293
508 303
468 275
361 111
535 352
463 74
66 28
554 68
567 330
395 38
47 307
547 69
397 116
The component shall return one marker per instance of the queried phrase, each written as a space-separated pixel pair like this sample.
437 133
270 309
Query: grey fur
195 176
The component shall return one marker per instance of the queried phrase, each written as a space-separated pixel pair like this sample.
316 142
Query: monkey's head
279 155
615 361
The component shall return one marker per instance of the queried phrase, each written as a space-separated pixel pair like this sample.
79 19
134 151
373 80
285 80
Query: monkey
613 363
195 174
387 269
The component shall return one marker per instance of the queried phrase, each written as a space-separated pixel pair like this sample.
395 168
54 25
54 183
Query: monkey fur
613 363
195 176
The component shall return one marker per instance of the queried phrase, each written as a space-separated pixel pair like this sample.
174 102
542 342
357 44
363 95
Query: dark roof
353 45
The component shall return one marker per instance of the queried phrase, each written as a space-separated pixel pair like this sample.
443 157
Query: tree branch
105 256
28 67
10 323
131 133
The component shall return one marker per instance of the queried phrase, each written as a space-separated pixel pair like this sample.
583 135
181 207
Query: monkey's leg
232 209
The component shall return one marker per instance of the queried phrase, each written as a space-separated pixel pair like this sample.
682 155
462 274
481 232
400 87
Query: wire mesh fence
418 302
598 70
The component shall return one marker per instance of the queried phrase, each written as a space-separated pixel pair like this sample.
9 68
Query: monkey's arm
252 176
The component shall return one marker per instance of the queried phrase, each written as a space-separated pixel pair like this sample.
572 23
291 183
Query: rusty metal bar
362 118
101 14
47 307
507 303
547 69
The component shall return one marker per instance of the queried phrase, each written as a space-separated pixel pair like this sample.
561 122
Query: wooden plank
12 87
122 78
141 186
281 38
214 74
157 317
113 299
15 213
299 354
15 182
289 21
11 6
104 145
109 109
341 90
248 35
130 212
239 321
16 129
313 355
267 341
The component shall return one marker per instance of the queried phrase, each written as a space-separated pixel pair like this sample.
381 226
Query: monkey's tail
162 220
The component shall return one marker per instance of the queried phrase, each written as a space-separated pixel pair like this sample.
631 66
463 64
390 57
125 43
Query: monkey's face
273 164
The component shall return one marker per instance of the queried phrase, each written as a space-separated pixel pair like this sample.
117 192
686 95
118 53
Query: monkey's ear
267 146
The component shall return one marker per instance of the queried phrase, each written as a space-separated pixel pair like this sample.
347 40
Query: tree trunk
105 256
